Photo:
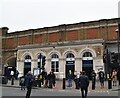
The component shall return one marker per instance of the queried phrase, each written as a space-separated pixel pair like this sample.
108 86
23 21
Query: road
10 91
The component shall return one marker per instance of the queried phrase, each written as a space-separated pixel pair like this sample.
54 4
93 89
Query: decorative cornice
67 43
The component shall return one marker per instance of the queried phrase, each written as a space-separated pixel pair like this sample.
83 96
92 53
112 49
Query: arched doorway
55 63
87 63
27 64
70 63
12 62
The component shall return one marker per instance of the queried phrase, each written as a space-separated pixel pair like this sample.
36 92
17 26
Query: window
87 54
28 57
55 63
55 56
70 55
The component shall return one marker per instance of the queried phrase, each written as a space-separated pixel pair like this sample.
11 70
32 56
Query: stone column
77 65
20 68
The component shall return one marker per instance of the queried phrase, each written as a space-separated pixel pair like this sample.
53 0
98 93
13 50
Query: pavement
59 86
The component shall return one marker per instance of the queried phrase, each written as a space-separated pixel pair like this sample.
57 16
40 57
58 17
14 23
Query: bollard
39 83
12 81
109 83
63 83
93 85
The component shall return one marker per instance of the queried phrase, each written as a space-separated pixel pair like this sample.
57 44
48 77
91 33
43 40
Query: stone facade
76 38
78 51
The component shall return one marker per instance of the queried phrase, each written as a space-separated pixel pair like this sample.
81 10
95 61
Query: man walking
28 82
84 83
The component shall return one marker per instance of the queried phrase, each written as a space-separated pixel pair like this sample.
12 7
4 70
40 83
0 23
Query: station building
74 47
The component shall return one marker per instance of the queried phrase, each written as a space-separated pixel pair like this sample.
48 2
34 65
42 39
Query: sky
20 15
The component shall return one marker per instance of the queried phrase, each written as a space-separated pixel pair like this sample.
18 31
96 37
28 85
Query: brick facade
87 34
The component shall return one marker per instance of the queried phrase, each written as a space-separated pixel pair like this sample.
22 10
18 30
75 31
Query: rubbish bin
109 83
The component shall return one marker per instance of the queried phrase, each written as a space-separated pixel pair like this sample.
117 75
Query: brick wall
92 33
10 43
53 37
72 35
37 39
112 35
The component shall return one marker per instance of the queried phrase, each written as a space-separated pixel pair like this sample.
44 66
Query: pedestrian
93 75
51 79
76 80
43 76
46 80
16 75
70 78
101 78
114 77
12 77
84 83
22 83
28 83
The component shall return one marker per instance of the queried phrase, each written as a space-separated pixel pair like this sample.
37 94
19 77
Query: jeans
69 82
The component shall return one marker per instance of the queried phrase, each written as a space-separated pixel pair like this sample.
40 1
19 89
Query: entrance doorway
88 67
70 64
87 64
27 64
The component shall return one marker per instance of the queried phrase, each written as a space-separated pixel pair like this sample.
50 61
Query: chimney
4 31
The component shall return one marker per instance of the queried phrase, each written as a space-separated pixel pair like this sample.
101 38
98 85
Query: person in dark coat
28 83
16 75
22 83
93 74
101 78
44 73
84 83
51 78
46 80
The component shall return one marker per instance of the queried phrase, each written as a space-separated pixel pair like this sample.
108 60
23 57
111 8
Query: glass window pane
57 70
28 57
55 56
70 55
87 54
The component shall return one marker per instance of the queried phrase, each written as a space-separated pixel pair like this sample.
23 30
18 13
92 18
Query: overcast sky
20 15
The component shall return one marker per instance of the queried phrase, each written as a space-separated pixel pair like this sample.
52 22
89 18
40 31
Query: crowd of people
43 79
81 80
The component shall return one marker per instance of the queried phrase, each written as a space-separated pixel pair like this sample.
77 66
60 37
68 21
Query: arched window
87 54
55 63
27 64
54 56
27 58
70 55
